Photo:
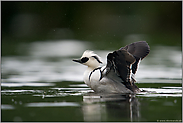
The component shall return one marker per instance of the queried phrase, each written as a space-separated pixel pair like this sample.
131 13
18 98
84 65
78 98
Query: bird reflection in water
111 107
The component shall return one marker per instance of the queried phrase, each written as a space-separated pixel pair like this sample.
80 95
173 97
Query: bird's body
117 75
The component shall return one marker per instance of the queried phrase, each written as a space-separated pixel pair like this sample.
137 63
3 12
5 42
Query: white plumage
92 62
116 76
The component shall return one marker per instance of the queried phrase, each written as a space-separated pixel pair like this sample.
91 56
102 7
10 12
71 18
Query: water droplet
175 101
20 102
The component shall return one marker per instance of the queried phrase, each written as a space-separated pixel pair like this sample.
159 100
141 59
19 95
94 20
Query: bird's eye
84 59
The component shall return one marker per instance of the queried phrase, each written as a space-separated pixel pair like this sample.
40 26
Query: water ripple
51 104
161 92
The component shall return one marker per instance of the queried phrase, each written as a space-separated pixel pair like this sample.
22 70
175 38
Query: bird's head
90 59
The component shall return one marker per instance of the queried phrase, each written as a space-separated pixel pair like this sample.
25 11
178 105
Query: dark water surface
46 85
63 102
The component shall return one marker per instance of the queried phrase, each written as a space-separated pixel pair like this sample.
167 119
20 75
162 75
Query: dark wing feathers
135 65
120 64
117 61
120 60
139 50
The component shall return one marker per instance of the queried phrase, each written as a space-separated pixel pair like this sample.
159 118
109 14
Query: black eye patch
84 59
97 59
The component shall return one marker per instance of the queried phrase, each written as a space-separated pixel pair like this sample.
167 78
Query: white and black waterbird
118 75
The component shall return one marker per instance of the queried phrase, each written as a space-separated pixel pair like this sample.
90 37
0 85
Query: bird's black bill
77 60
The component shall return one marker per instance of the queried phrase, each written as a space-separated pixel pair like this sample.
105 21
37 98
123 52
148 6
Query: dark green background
103 23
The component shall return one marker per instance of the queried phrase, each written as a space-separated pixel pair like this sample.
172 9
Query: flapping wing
118 63
139 50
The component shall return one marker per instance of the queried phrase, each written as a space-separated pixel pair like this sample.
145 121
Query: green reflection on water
139 108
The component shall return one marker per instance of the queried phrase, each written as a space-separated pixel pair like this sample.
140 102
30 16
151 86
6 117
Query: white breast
91 78
94 81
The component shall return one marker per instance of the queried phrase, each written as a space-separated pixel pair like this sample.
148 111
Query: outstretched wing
139 50
118 63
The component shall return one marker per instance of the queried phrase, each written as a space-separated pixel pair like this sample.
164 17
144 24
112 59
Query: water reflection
161 92
7 107
19 84
51 61
79 100
58 48
47 77
103 107
52 104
